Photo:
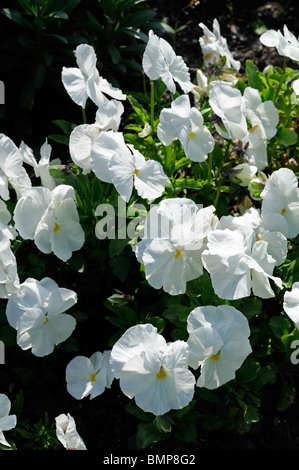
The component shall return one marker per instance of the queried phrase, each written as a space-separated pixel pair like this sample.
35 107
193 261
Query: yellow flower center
56 228
215 357
93 377
192 134
283 210
46 321
136 172
161 374
177 253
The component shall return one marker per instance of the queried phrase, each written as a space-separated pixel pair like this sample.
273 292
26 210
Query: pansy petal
74 83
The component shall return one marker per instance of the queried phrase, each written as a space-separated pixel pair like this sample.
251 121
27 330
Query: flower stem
210 162
170 157
84 116
152 103
281 79
218 192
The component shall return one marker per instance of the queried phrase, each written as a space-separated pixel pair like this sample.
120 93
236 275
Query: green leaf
61 139
164 423
248 372
137 18
116 246
289 272
148 434
173 313
18 403
120 267
251 414
17 17
114 54
64 125
251 307
288 339
186 430
265 375
287 397
158 322
141 113
280 326
287 137
256 79
58 14
137 412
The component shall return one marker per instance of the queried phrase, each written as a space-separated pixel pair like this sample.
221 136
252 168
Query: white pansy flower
113 161
7 421
84 136
257 185
173 240
239 264
21 183
214 47
218 343
287 44
263 114
67 433
185 123
42 166
85 82
244 173
280 203
206 83
160 61
5 222
291 303
89 376
277 245
11 166
256 147
51 219
152 371
227 104
295 86
9 279
36 311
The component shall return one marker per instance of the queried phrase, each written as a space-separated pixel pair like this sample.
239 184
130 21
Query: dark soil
239 22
